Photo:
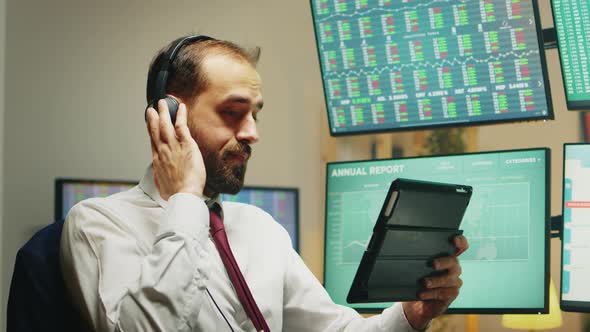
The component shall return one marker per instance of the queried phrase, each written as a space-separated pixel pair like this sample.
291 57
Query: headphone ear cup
172 107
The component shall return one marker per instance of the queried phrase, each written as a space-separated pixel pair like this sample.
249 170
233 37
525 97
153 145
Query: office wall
76 98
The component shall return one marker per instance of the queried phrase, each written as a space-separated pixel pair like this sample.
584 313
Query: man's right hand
177 160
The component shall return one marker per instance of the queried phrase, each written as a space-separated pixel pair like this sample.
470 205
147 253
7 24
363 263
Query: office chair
38 300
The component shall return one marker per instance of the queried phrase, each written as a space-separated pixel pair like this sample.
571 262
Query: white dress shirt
134 262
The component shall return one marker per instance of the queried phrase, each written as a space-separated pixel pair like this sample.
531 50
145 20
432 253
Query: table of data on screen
572 22
394 64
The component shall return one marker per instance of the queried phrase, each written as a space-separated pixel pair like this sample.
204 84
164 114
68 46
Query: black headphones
165 66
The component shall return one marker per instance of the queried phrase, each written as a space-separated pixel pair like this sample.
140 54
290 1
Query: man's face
222 119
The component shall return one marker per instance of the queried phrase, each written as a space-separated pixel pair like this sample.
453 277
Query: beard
224 174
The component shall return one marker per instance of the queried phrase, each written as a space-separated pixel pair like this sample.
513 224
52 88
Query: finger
153 126
449 265
156 181
153 131
445 263
155 155
441 294
181 125
447 280
455 270
166 127
461 244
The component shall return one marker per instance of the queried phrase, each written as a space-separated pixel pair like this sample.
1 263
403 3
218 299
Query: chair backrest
38 300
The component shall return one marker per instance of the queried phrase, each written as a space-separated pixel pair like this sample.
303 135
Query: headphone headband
164 66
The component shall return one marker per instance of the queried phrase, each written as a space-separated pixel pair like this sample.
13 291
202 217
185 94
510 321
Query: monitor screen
397 65
572 22
281 203
506 224
68 192
575 259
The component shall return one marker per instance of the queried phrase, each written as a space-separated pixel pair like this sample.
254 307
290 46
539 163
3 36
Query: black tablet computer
416 224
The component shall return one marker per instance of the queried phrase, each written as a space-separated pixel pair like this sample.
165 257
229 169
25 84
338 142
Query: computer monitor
68 192
505 270
281 203
572 22
575 242
398 65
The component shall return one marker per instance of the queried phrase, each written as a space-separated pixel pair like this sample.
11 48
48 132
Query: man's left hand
438 292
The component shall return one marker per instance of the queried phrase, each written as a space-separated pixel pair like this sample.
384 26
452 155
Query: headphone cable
221 312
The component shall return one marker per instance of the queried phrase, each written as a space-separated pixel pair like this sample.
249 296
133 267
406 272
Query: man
143 260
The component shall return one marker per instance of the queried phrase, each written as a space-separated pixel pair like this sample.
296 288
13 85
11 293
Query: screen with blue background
504 269
390 65
572 23
281 203
576 226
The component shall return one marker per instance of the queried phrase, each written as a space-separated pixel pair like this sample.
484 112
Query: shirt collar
148 186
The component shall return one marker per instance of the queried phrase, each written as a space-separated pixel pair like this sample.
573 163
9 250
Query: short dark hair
186 79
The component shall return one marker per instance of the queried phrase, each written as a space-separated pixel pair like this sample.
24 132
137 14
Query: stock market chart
505 223
390 65
572 22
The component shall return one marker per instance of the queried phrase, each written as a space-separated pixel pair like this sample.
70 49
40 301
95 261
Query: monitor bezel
549 116
59 185
572 105
491 311
287 189
585 126
569 306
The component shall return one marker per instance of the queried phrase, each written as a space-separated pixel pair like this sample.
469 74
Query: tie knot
215 221
215 208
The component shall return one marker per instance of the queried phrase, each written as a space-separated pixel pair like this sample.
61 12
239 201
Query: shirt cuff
395 316
187 214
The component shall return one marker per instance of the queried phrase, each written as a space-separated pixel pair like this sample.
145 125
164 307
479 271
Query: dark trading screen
390 65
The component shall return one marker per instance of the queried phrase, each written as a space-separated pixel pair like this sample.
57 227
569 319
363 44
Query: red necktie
233 270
